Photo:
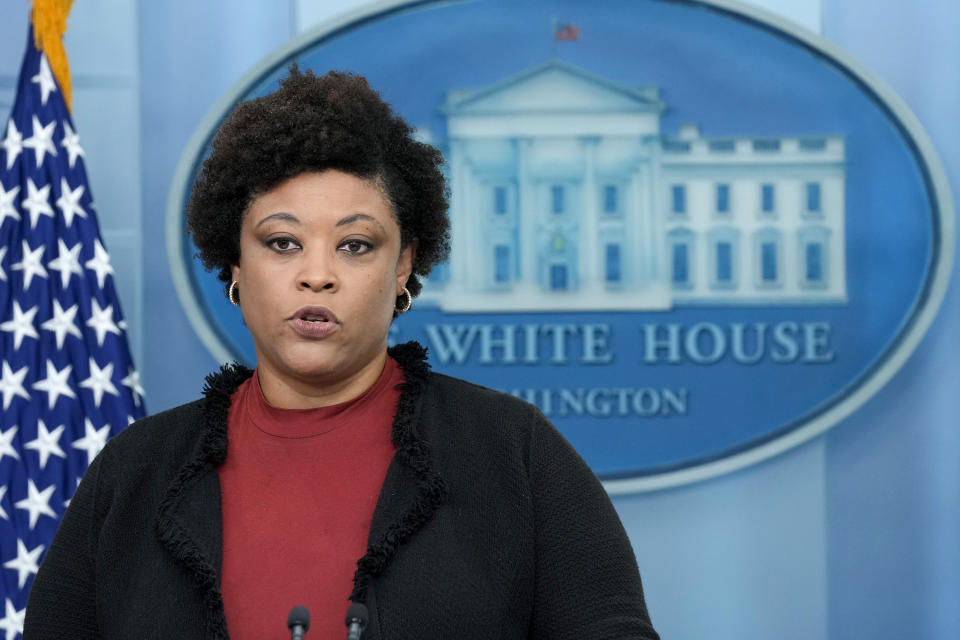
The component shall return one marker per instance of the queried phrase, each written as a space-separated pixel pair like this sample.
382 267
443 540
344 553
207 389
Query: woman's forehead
329 197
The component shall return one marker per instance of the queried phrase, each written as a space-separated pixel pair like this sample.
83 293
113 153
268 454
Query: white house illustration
566 196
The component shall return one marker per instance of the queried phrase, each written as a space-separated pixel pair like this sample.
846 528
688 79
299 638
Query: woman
470 515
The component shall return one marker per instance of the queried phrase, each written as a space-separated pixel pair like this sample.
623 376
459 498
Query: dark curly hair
311 123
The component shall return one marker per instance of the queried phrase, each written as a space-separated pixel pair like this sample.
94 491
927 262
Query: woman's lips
314 322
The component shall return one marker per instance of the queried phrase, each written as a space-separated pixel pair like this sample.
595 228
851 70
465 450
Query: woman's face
320 270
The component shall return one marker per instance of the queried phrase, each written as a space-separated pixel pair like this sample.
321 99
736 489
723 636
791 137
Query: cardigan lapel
189 520
412 490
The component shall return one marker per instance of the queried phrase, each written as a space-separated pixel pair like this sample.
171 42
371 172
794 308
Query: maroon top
299 490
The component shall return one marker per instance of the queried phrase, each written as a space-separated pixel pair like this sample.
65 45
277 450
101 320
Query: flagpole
553 38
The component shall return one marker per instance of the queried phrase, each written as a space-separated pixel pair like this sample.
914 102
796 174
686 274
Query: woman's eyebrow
287 217
357 217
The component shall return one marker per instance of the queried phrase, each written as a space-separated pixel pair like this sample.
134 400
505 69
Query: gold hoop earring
406 306
231 294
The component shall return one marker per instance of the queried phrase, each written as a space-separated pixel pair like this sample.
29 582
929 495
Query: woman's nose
318 271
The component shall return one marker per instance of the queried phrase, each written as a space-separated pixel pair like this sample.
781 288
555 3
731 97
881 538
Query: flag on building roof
565 32
67 381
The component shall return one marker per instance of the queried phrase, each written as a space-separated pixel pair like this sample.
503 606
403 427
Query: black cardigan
488 525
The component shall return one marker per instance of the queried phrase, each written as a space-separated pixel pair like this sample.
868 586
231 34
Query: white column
655 212
528 214
590 271
635 249
645 210
459 234
478 262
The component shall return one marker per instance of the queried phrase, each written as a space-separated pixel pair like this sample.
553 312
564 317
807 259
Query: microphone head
299 616
357 613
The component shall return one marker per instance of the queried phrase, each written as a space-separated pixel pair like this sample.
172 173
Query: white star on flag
7 210
55 384
37 503
3 512
100 381
36 202
62 323
12 621
47 443
69 201
71 142
25 563
44 78
6 444
101 321
93 440
42 140
31 264
67 262
12 144
133 381
11 384
21 325
3 252
100 263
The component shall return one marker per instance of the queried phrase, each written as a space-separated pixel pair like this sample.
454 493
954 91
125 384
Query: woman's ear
405 264
235 272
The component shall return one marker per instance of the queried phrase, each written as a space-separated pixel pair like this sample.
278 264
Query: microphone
298 622
356 620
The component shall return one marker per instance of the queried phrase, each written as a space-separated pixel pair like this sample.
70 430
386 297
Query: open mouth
315 315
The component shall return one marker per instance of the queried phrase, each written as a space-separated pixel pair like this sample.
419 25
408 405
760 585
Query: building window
724 245
610 204
814 270
681 255
681 263
814 259
723 198
767 198
678 193
613 262
722 146
500 200
558 277
501 261
767 145
556 198
812 144
724 262
813 197
768 262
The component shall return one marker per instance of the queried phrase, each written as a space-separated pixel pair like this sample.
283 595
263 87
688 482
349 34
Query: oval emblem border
855 395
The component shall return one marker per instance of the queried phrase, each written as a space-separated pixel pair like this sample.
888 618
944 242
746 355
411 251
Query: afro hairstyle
311 123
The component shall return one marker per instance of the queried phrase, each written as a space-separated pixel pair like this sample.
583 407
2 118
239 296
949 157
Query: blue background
733 78
852 535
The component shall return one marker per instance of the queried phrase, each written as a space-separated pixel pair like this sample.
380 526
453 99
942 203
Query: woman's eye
282 244
356 247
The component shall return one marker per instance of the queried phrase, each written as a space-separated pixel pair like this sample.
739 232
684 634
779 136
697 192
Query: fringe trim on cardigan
212 452
413 452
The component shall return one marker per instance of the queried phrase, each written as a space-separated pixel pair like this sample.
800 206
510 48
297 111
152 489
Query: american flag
565 32
67 381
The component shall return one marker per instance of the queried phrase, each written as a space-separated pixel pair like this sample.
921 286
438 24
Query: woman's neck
286 391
